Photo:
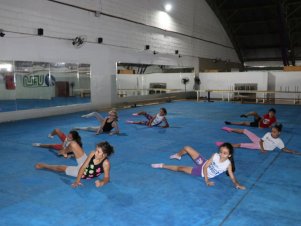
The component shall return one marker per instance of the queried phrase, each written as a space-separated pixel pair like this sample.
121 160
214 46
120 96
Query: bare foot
39 165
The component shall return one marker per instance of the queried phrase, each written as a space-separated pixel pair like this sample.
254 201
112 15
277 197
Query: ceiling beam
262 47
250 7
263 21
257 34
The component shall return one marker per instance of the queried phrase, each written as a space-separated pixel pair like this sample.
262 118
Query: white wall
273 81
142 81
287 81
122 40
226 81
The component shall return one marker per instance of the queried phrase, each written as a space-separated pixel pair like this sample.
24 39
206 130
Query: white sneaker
157 165
175 156
135 114
50 136
36 144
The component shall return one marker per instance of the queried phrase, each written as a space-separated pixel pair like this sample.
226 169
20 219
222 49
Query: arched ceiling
262 30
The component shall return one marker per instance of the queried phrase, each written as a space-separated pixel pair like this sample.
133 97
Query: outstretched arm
116 128
261 146
106 178
205 168
166 123
81 171
285 149
233 179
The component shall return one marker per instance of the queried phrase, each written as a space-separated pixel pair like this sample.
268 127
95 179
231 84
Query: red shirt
267 121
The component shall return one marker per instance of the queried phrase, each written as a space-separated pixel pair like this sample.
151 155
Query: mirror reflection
146 79
28 85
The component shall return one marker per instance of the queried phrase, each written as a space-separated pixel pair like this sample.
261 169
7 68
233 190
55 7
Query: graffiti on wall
38 80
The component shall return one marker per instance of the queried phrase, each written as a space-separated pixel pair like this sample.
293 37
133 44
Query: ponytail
76 137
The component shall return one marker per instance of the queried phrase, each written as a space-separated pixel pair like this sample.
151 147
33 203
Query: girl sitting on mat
69 143
268 142
217 164
108 124
87 167
155 120
266 121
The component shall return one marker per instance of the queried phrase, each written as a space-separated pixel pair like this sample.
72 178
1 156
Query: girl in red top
266 121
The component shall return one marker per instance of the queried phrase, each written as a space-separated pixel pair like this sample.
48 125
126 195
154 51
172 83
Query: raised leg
187 149
96 115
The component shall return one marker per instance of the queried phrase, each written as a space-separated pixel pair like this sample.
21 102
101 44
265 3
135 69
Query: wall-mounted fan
185 81
79 41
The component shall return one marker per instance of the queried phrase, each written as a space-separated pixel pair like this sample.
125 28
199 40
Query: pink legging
255 139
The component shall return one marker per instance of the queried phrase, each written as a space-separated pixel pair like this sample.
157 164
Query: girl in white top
217 164
155 120
268 142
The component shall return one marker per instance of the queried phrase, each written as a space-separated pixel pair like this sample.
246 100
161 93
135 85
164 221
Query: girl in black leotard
87 167
108 124
96 164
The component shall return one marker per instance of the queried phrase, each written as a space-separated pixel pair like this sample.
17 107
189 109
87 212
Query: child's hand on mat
99 183
241 187
62 153
76 184
263 151
209 183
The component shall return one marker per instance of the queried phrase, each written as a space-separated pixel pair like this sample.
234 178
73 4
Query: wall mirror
147 79
29 85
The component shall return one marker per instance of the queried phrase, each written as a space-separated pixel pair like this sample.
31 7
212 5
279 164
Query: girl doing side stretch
88 167
69 143
108 124
268 142
217 164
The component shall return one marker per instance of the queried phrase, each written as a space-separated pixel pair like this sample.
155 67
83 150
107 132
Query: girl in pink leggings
268 142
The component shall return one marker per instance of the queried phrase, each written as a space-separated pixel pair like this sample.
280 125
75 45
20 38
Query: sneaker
243 116
135 114
228 129
157 165
175 156
227 123
36 144
129 122
219 143
50 136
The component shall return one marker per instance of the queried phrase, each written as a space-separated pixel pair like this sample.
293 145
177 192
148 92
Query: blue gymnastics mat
141 195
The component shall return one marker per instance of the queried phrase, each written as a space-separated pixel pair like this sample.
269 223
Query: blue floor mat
141 195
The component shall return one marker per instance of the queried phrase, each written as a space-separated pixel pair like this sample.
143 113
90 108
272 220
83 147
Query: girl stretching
107 124
217 164
155 120
69 143
87 167
268 142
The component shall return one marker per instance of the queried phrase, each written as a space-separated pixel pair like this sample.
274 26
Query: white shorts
73 170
